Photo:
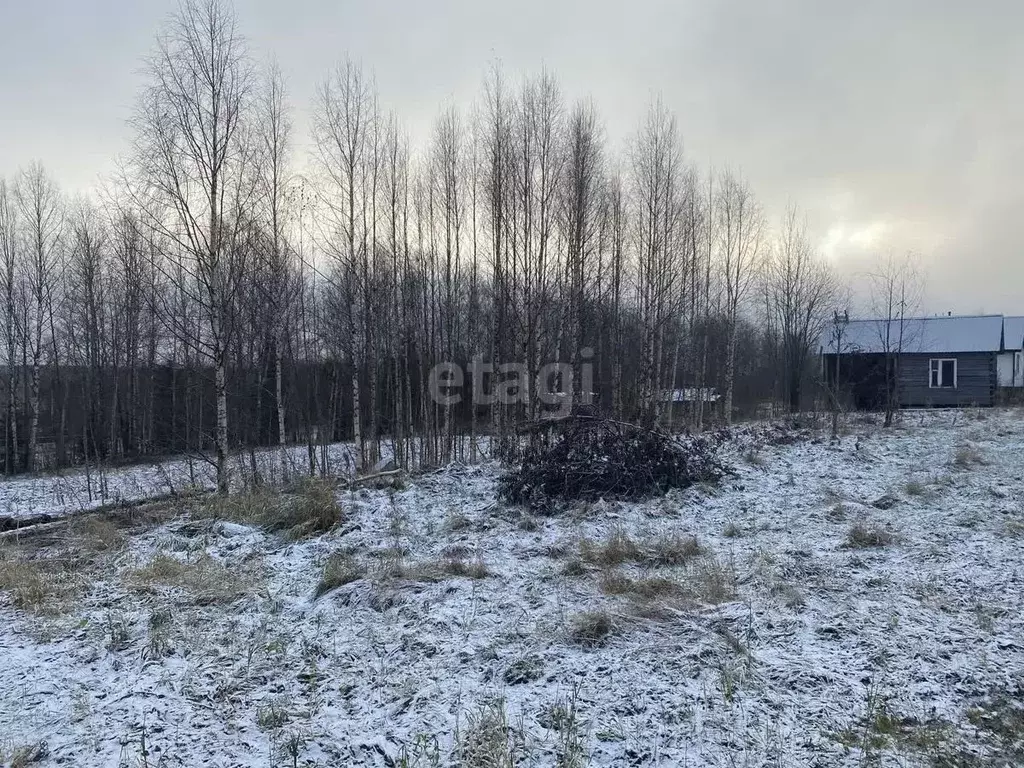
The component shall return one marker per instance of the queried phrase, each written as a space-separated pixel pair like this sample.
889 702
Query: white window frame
935 366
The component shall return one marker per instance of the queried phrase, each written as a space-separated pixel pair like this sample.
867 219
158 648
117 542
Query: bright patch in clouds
842 238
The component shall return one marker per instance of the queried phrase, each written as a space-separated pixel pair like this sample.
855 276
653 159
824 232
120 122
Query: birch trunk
730 372
221 386
33 427
279 395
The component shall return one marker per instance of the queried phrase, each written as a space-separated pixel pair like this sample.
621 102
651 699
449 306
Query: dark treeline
215 298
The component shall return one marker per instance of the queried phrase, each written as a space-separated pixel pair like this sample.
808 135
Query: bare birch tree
279 287
582 217
800 293
193 177
344 123
41 209
895 298
10 286
741 228
657 186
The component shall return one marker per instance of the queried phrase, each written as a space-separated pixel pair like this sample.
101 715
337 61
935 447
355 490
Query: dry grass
45 575
341 568
452 564
591 629
706 580
204 578
644 587
675 549
24 755
618 548
574 567
528 524
1015 529
456 521
475 568
915 488
837 513
868 535
308 508
98 534
43 585
390 563
1001 719
712 582
968 456
273 715
754 458
488 740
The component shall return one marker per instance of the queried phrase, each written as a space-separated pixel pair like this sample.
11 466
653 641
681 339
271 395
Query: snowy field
832 604
82 489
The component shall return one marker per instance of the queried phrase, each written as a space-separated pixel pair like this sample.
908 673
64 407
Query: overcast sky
894 125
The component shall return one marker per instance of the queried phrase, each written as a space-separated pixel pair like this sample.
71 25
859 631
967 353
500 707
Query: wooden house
935 361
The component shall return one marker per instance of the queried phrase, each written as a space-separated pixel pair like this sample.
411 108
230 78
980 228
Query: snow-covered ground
81 489
84 488
780 642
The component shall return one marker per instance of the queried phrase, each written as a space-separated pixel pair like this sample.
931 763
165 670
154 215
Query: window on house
942 373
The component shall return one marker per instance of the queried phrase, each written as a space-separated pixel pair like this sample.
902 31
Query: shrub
599 459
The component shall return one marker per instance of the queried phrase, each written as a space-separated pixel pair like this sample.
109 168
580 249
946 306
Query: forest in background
214 298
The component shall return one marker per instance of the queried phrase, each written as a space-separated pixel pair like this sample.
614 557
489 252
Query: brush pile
595 458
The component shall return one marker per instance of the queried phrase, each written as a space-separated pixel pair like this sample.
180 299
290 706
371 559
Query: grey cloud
895 125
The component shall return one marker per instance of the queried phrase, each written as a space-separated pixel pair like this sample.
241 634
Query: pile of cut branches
596 458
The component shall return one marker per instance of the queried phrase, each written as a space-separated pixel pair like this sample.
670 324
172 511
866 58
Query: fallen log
16 527
390 476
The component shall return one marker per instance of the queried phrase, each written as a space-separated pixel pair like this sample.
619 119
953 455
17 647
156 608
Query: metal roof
690 395
1013 332
974 333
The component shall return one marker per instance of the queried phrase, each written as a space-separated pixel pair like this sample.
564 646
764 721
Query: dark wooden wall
976 380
